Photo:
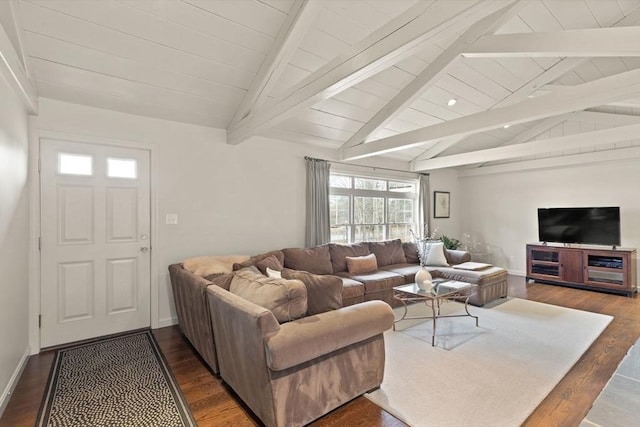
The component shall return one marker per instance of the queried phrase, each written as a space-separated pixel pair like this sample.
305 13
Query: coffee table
443 290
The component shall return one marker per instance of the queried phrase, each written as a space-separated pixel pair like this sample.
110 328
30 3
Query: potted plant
450 243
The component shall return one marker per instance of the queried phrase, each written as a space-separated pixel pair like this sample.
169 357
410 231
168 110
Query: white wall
242 199
447 180
14 237
503 207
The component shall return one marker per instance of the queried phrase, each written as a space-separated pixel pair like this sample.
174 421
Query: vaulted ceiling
535 82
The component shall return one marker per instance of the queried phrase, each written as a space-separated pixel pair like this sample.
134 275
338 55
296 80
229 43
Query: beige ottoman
491 281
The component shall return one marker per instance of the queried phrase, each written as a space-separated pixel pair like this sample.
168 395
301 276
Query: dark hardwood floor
214 404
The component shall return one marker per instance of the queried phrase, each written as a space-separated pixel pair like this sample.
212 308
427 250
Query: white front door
95 242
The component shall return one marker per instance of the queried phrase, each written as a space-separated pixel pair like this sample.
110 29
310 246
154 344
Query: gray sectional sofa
325 330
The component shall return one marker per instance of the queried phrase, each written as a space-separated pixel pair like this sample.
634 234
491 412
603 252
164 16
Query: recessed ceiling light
506 126
452 102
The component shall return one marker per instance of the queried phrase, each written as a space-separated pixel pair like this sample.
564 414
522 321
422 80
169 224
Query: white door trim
35 135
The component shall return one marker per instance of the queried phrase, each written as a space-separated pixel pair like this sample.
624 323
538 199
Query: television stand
585 267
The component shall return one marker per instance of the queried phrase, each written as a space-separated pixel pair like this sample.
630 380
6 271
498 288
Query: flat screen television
595 226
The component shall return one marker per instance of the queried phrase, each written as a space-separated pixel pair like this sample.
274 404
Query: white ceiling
329 67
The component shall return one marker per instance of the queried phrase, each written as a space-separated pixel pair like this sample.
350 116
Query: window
75 164
371 209
121 168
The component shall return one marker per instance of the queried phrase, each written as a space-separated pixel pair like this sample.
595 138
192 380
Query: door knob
144 249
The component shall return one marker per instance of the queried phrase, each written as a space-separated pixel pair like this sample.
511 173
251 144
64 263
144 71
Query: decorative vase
423 279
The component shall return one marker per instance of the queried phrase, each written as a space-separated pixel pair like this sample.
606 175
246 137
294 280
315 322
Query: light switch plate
172 219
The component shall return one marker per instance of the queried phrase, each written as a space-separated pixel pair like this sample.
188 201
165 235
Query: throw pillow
389 252
274 274
339 254
207 265
436 257
286 299
270 262
362 264
324 293
316 260
222 280
256 258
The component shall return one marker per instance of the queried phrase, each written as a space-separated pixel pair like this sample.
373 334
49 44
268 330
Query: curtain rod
365 166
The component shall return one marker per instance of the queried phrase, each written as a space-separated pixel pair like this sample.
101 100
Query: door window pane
75 164
122 168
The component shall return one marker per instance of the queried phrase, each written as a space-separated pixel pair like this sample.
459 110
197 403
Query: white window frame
386 195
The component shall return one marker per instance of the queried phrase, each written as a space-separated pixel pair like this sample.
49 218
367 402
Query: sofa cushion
436 257
351 288
257 258
222 280
316 260
411 252
286 299
324 293
339 254
376 281
388 252
271 262
209 265
362 264
457 256
408 271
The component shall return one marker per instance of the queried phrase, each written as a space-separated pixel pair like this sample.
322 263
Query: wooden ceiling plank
598 42
433 72
293 30
552 145
554 162
73 30
14 72
136 23
390 44
59 51
537 130
606 118
598 92
559 69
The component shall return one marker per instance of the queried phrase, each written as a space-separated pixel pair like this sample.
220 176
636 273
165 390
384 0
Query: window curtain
318 229
424 204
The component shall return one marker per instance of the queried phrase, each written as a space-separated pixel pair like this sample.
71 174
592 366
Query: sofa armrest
241 328
455 257
305 339
189 296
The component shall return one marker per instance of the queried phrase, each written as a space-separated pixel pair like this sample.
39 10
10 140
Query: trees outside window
371 209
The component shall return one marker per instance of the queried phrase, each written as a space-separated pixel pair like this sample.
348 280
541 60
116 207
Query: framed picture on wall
441 204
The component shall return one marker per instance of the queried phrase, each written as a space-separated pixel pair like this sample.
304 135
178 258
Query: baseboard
13 381
167 321
517 273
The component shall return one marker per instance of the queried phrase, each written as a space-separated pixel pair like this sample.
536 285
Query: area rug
492 375
120 381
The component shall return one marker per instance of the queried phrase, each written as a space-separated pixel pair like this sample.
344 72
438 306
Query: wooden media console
581 266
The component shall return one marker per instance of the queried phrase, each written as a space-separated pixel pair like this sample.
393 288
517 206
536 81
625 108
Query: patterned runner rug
120 381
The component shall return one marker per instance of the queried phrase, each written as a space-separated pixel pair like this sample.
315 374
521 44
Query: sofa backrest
388 252
340 252
316 260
